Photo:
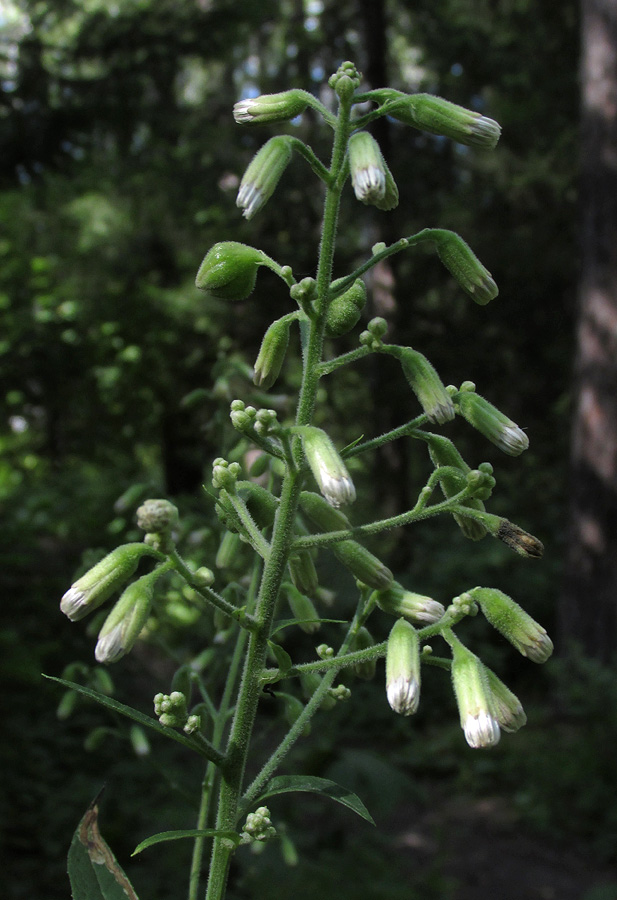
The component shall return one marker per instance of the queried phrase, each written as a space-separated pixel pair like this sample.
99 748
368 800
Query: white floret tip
481 730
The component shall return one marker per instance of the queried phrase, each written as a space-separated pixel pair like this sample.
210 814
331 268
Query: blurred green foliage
121 162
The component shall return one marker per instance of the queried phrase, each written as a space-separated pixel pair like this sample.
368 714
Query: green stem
239 615
405 430
282 538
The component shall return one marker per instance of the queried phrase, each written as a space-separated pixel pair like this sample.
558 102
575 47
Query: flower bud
397 601
362 641
156 516
443 453
126 620
270 108
327 467
472 697
229 270
303 572
465 267
272 353
439 116
261 504
302 608
103 580
425 383
263 175
505 706
367 167
345 80
322 513
517 626
491 422
403 668
520 541
362 564
227 553
345 310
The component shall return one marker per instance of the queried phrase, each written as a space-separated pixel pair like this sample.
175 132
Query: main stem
282 536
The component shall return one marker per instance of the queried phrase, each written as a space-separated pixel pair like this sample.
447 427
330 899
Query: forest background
120 165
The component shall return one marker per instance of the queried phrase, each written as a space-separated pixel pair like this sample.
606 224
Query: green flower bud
345 80
362 564
192 724
270 108
327 467
224 474
272 353
156 516
517 626
302 608
505 706
403 668
263 175
362 641
443 453
345 310
472 696
303 572
439 116
125 622
228 550
103 580
425 383
261 504
322 513
397 601
229 270
465 267
492 423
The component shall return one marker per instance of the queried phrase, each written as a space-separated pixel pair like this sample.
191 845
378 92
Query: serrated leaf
93 870
188 833
131 713
284 784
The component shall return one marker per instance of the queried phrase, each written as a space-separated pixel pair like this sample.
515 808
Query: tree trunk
588 612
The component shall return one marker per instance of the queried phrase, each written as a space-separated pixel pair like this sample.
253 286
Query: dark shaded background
120 167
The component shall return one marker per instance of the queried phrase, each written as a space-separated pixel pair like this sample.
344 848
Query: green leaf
284 784
131 713
93 870
189 833
282 657
287 623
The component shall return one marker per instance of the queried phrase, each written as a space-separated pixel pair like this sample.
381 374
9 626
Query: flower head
270 108
327 467
263 175
403 668
472 696
398 601
104 579
490 421
516 625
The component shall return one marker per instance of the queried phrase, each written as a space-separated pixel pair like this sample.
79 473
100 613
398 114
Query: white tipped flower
262 175
398 601
125 622
327 466
517 626
439 116
270 108
100 582
371 179
472 696
491 422
403 668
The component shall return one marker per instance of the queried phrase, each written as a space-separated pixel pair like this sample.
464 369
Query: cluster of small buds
372 337
258 826
225 474
172 712
340 693
323 651
482 481
345 80
490 421
248 419
304 292
463 605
